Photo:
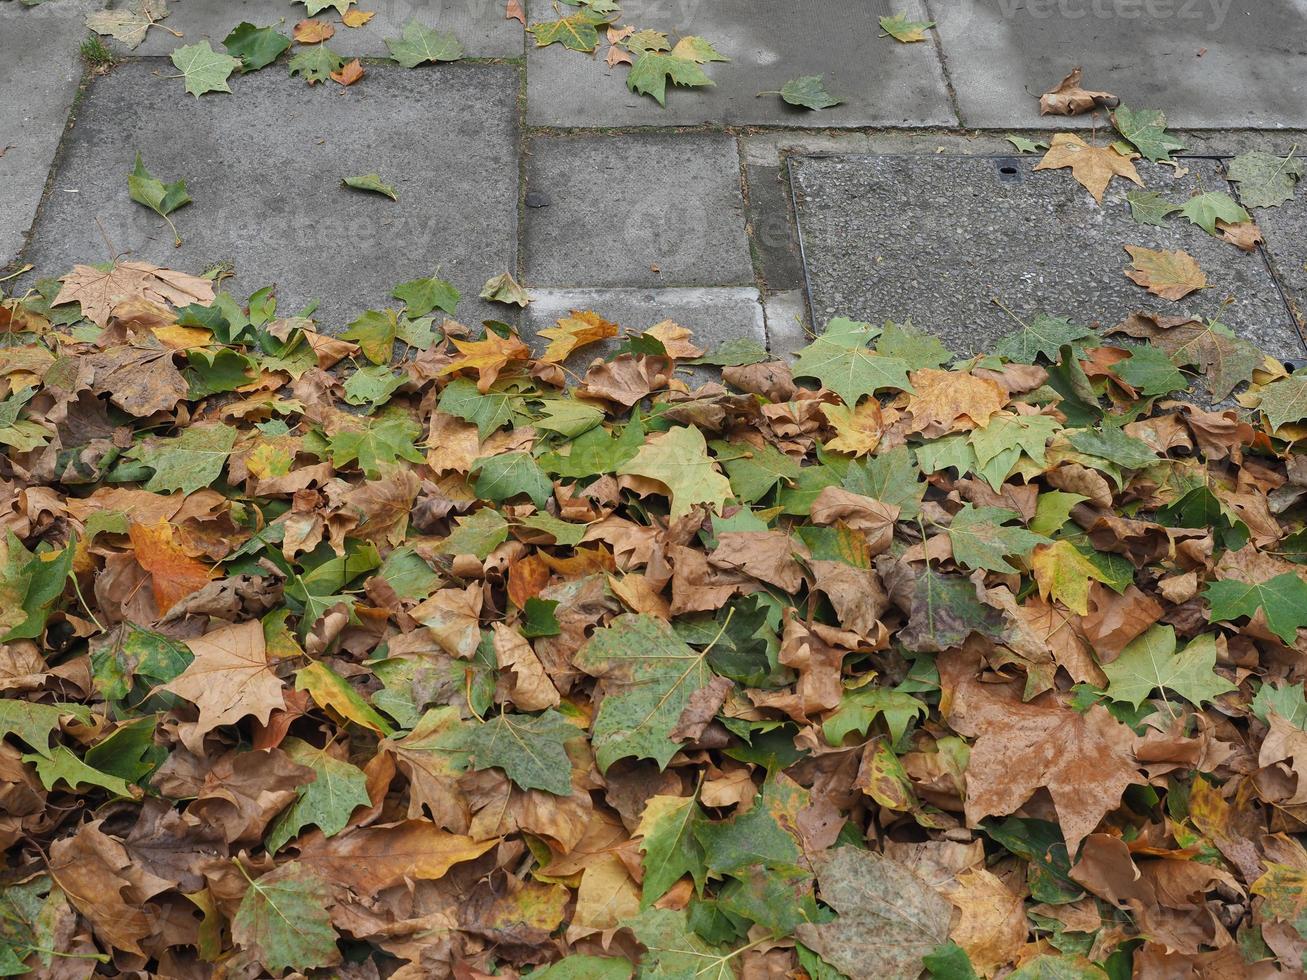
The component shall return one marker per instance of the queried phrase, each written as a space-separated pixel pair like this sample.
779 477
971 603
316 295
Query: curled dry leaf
1069 98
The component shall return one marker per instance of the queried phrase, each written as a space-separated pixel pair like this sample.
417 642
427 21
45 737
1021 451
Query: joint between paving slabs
941 56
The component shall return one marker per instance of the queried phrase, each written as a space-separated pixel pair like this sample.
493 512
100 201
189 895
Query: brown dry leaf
572 332
1092 166
369 859
312 31
356 18
486 357
348 73
1244 235
139 380
675 340
952 401
513 11
605 899
173 573
1170 275
1084 761
522 680
99 291
229 679
1068 98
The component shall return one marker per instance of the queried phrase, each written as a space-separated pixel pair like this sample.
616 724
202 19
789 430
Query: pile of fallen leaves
394 655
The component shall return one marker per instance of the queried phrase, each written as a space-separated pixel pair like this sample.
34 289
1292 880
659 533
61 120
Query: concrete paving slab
1207 63
480 25
609 210
1285 230
769 42
39 75
264 167
771 230
714 315
936 239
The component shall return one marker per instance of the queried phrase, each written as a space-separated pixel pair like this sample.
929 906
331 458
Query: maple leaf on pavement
203 69
1265 180
1146 131
1092 166
903 30
129 24
652 69
841 360
419 43
1069 98
571 332
1170 275
578 31
1226 360
229 679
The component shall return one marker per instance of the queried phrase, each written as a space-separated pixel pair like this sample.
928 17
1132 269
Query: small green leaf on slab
1024 145
419 43
315 64
903 30
256 47
163 199
1150 207
808 92
373 183
203 69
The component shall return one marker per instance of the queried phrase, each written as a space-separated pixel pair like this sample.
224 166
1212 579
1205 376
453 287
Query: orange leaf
514 11
1092 166
313 31
348 73
357 18
173 573
486 357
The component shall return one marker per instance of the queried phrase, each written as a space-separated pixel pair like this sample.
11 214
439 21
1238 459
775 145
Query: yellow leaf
1170 275
183 338
1064 573
1092 166
675 339
571 332
330 690
357 18
951 401
857 430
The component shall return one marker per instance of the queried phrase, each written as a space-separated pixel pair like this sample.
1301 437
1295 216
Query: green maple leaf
130 661
375 332
487 412
890 477
998 447
1226 360
916 348
1039 842
163 199
1114 445
128 752
675 950
1151 371
1283 599
944 612
754 470
751 839
62 766
568 416
18 433
563 532
578 31
1150 663
1053 510
1205 210
211 371
372 385
373 183
418 43
1285 400
648 675
502 477
284 920
421 296
256 47
1146 130
379 441
1150 207
1265 180
807 92
653 69
1043 336
981 539
34 722
203 69
678 458
480 533
315 7
596 451
30 585
188 462
842 362
903 30
668 829
326 802
1285 700
531 749
315 63
860 708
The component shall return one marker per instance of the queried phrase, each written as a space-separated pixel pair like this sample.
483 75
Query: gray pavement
541 162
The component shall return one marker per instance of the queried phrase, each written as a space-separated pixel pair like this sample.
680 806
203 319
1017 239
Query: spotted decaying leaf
859 665
1171 275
